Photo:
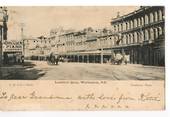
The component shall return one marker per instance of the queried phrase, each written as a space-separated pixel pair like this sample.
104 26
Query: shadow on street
26 71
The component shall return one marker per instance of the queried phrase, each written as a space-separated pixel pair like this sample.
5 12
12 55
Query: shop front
12 52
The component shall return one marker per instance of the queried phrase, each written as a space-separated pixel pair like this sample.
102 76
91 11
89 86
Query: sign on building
12 46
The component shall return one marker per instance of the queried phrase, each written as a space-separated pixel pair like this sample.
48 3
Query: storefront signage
12 46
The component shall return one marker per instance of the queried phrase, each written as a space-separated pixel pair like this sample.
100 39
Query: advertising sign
12 46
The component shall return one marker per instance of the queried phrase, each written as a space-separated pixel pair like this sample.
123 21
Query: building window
109 41
124 26
127 26
146 35
126 39
160 15
135 23
139 22
146 19
151 18
114 28
160 31
151 34
141 36
118 28
142 21
121 27
156 33
156 16
132 38
131 24
112 41
116 39
135 37
138 37
129 39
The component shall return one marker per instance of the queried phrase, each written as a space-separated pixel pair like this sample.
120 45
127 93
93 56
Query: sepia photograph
82 43
83 58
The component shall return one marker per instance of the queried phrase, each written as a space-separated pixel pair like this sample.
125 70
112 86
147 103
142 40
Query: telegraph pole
22 25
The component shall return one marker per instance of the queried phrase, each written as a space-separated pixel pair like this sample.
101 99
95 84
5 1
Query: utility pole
22 25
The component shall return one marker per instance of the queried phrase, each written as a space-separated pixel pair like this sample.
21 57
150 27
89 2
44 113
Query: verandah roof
96 52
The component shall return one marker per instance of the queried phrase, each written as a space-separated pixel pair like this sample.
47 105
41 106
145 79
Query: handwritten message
92 96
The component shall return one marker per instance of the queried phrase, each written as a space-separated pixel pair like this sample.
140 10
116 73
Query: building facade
3 30
141 35
12 52
37 48
81 46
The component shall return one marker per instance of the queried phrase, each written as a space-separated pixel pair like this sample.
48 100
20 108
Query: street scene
82 43
32 70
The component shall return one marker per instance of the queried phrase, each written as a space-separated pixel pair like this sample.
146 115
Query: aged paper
82 95
82 58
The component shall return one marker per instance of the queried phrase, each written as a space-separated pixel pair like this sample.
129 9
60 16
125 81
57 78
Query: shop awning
95 52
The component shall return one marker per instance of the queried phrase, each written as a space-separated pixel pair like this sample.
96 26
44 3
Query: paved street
82 71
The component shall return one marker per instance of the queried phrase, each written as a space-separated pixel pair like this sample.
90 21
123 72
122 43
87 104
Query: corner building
141 35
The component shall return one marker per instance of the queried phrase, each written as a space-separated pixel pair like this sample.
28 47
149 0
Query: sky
39 20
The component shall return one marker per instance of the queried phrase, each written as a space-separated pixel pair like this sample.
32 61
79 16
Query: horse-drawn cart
53 58
119 58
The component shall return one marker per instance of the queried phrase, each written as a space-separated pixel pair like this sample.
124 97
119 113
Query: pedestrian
22 59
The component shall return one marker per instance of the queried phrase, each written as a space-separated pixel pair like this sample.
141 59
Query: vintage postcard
82 58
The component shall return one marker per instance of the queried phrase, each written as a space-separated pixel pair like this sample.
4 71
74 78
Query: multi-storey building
141 35
80 46
37 48
40 47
